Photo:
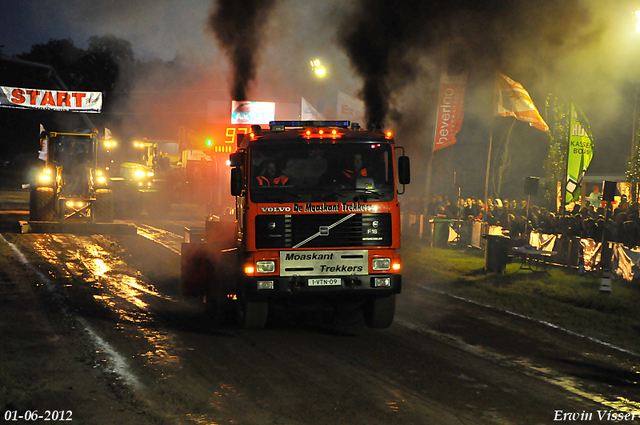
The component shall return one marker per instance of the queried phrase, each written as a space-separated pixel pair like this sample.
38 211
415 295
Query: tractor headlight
266 266
74 204
46 176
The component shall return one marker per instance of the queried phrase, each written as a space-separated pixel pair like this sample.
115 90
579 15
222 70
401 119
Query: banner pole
563 188
486 180
444 64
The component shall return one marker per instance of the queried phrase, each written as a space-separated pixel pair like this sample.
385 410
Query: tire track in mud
140 349
119 364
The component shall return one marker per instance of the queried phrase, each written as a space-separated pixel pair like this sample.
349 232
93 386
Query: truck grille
323 230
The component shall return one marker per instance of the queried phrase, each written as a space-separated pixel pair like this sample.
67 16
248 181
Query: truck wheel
254 314
379 311
41 204
103 207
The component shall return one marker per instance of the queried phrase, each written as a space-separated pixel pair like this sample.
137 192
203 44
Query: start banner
52 100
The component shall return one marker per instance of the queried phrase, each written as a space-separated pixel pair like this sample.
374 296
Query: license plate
335 281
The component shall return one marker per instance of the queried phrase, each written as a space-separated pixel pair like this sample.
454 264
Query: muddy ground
95 327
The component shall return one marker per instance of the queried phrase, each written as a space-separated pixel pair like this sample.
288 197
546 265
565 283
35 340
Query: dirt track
95 325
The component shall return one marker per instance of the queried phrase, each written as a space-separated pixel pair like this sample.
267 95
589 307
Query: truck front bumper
270 287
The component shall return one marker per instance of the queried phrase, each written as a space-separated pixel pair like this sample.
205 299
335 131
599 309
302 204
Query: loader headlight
139 174
381 263
266 266
102 179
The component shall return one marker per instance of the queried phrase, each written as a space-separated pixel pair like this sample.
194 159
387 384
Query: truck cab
317 220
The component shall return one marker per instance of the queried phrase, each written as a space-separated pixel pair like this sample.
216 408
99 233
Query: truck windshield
295 172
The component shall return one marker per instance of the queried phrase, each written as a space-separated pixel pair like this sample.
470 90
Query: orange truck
316 223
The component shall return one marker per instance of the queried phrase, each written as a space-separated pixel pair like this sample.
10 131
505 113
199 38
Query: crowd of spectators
518 219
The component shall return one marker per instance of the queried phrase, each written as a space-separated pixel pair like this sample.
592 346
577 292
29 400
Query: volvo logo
272 225
374 224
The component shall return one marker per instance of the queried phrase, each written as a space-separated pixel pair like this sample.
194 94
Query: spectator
595 198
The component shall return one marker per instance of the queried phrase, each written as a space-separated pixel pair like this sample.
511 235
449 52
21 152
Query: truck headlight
265 284
268 266
381 263
382 282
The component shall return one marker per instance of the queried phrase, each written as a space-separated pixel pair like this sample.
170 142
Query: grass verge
563 297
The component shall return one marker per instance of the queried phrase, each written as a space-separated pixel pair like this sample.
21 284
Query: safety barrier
572 252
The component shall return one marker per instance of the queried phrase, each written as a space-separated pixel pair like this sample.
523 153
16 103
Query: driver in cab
357 170
272 177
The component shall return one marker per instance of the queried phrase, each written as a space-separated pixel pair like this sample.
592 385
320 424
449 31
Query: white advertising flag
350 108
309 113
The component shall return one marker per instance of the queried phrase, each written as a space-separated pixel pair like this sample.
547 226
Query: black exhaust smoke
238 27
388 40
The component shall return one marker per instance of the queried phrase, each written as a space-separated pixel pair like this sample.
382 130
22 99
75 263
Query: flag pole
486 181
563 188
444 64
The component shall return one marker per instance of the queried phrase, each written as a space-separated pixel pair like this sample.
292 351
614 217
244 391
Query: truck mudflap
209 271
197 263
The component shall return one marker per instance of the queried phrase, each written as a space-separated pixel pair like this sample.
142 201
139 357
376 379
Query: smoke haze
388 53
238 27
385 40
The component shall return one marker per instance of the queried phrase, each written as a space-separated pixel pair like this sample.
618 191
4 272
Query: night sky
587 50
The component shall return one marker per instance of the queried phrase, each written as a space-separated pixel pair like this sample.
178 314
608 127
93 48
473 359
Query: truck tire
254 314
103 206
42 204
379 311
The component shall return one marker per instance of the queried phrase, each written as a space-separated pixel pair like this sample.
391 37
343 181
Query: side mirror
236 181
235 160
404 170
